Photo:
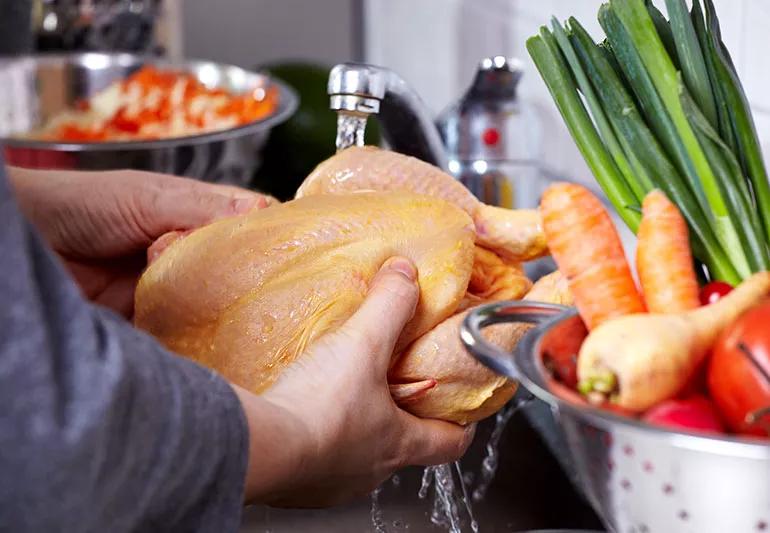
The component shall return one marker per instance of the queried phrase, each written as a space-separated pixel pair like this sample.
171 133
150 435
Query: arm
131 423
101 429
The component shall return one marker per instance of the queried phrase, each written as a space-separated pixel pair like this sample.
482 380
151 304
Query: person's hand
101 223
328 430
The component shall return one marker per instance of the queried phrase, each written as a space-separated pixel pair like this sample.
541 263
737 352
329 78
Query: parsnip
640 360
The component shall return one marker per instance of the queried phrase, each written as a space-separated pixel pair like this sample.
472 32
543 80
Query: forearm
101 428
278 448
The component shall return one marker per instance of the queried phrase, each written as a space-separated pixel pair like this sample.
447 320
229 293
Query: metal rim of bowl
532 372
287 104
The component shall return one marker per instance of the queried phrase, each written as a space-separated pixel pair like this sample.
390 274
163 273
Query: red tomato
711 292
739 372
696 413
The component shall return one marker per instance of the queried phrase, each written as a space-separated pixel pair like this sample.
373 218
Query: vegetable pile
157 104
658 104
656 351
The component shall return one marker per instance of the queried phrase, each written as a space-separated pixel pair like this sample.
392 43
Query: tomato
695 413
739 372
711 292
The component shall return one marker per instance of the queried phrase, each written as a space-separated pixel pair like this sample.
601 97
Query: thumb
388 306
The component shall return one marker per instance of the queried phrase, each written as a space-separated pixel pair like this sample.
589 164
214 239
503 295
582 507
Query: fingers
388 306
170 203
434 442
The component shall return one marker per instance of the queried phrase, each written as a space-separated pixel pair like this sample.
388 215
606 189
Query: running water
377 520
490 462
447 500
350 130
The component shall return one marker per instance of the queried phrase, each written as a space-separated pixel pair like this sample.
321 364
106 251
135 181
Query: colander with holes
638 478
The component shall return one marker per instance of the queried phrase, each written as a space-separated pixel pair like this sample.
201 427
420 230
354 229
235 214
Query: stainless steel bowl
637 477
36 87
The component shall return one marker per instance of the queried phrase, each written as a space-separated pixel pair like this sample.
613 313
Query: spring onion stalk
556 74
749 152
650 101
724 122
693 66
664 31
595 108
733 187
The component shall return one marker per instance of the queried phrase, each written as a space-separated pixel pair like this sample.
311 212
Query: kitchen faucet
487 139
361 90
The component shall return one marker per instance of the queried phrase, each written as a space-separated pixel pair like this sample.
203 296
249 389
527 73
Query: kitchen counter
529 492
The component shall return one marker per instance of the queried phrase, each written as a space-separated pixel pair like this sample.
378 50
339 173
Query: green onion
749 152
691 58
602 124
658 104
638 23
555 72
656 170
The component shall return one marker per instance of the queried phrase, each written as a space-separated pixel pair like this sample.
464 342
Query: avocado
295 147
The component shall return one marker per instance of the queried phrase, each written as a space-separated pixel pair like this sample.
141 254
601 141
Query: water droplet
395 480
377 521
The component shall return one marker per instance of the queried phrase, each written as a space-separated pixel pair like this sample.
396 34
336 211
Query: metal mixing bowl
36 87
638 478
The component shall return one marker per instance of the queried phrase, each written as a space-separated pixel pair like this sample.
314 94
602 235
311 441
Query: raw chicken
246 295
514 234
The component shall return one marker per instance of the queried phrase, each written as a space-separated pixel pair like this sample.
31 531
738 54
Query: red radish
712 292
694 414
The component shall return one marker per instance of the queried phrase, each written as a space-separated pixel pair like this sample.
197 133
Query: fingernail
403 266
244 204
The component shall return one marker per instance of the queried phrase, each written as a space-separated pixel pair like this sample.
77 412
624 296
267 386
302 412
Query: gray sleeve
100 428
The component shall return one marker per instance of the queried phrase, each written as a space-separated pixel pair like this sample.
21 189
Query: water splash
448 501
350 130
491 460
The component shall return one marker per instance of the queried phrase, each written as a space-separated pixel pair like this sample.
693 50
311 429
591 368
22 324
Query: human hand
101 223
328 429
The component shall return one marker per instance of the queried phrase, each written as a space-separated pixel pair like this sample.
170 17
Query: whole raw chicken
246 295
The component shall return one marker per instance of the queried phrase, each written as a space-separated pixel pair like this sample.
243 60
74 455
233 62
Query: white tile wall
436 44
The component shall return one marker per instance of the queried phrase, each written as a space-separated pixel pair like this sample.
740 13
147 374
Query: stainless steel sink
529 492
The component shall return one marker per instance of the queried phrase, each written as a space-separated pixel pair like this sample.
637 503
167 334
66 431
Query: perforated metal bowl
638 478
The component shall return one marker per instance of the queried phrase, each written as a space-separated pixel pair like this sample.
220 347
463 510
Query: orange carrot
587 249
663 258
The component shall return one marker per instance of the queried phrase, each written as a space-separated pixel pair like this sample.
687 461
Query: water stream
451 507
350 130
490 461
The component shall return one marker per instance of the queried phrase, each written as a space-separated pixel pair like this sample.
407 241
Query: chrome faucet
359 90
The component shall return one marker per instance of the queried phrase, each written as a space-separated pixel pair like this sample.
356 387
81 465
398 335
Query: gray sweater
101 429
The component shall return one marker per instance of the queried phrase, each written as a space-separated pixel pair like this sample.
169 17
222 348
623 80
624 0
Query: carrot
586 247
663 258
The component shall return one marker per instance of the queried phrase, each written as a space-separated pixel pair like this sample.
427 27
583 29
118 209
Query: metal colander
638 478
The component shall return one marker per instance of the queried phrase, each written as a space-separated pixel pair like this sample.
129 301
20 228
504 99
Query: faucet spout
361 90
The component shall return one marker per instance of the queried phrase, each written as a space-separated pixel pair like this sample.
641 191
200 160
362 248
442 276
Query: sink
529 492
